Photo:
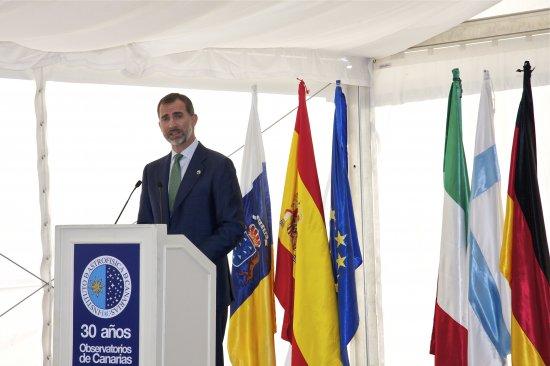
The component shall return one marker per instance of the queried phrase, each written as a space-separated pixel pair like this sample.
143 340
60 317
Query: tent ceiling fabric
134 37
500 45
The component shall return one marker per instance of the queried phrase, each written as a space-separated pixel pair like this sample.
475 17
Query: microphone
159 186
138 183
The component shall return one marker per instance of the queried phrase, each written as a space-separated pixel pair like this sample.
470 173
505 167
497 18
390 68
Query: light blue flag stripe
484 297
486 171
483 292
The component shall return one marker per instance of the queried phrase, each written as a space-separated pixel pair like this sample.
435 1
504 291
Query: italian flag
449 342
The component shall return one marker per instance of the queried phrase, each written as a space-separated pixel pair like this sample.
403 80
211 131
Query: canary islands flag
252 322
344 246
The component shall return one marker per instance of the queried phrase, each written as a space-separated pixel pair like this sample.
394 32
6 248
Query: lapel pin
199 172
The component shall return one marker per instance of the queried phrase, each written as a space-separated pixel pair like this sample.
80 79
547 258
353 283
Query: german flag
304 282
524 259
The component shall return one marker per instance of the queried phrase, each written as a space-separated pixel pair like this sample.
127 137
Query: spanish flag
524 259
304 282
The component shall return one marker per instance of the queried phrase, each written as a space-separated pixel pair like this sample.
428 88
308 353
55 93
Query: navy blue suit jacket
208 208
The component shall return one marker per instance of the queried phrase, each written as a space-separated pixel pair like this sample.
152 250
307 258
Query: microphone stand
138 183
159 186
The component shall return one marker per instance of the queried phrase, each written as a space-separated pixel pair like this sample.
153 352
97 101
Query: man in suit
194 190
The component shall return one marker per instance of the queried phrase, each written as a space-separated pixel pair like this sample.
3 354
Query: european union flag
344 246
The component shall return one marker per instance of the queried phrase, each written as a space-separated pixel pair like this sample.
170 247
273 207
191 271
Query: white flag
488 292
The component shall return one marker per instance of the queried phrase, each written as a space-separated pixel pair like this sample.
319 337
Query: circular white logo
105 286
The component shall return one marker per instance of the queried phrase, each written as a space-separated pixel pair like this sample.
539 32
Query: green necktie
174 181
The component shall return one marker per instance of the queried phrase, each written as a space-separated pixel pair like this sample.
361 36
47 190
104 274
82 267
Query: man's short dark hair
172 97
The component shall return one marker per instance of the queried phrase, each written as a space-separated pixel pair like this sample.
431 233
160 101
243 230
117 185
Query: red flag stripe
530 289
512 174
524 190
306 164
297 357
284 289
449 340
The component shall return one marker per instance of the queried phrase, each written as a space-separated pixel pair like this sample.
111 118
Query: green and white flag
450 335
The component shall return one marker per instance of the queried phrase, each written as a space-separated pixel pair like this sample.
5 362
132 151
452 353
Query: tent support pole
45 231
367 347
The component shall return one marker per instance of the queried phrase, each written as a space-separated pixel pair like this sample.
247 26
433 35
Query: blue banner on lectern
106 304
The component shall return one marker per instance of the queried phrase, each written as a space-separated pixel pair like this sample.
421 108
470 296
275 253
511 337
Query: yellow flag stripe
289 194
250 336
524 352
315 308
506 249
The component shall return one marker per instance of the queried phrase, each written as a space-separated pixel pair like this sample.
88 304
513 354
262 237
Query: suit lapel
193 173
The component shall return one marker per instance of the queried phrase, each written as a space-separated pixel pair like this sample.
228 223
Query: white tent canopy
166 43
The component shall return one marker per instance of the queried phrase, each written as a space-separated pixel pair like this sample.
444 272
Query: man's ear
195 119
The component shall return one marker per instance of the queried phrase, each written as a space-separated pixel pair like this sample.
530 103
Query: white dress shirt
187 154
